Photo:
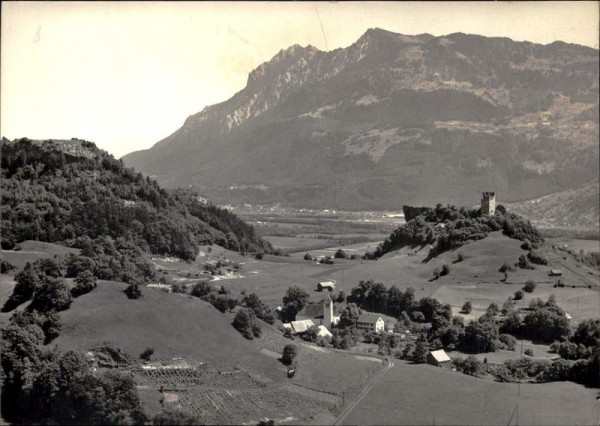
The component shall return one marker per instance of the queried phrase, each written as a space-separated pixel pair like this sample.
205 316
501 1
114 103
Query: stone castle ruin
488 203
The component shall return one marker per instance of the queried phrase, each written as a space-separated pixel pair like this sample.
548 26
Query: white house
371 323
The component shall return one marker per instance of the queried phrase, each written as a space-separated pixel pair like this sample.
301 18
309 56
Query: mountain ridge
383 108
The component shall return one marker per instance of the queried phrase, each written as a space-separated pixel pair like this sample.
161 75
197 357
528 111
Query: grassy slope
173 324
411 394
476 278
34 250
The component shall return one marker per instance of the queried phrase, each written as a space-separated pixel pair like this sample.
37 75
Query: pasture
425 395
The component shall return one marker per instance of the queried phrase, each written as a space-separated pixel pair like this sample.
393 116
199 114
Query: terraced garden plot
238 405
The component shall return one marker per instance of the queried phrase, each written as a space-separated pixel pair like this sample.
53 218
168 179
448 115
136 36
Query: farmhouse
371 323
555 273
326 285
439 358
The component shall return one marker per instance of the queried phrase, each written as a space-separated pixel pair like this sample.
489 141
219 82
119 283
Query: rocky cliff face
393 120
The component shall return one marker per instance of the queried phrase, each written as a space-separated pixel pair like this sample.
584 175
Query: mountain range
393 120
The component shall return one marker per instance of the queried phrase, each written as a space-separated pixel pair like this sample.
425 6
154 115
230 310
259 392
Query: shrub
445 270
460 258
289 354
133 291
492 310
528 352
505 268
519 294
307 256
467 308
5 266
529 286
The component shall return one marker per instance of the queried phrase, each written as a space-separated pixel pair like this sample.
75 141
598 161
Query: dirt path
362 394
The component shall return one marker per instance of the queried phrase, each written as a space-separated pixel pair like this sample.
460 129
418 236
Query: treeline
59 191
447 228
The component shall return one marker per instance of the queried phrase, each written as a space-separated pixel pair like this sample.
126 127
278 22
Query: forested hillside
72 193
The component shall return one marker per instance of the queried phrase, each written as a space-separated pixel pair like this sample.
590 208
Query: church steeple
327 312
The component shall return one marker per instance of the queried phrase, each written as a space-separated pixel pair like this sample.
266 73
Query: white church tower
328 312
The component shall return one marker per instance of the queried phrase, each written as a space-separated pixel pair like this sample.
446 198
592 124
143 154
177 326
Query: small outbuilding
439 358
326 285
555 273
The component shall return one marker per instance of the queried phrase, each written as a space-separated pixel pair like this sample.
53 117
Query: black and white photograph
300 213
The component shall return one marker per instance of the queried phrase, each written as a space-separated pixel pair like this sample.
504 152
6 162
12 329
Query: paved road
362 394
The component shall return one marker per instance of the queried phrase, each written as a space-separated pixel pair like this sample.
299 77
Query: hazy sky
125 75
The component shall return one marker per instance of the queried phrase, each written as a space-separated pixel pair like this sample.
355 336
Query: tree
84 283
293 301
133 291
480 336
341 297
529 286
349 316
52 295
340 254
471 366
201 289
445 270
311 334
519 294
27 281
289 354
508 341
147 354
492 310
421 350
467 308
546 324
307 256
244 322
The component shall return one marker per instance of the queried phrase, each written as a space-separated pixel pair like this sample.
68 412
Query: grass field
174 325
425 395
33 250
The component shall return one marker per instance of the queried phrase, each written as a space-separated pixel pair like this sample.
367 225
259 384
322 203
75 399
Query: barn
439 358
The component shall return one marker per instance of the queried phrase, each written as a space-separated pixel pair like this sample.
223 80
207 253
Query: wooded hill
71 192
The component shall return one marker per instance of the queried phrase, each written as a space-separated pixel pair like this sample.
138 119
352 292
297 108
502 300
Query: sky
126 75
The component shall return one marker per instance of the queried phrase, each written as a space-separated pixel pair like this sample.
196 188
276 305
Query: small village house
326 285
371 323
439 358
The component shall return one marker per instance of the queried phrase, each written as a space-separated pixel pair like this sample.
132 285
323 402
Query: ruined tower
327 312
488 203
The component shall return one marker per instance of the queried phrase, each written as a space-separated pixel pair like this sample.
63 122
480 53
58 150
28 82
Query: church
323 313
